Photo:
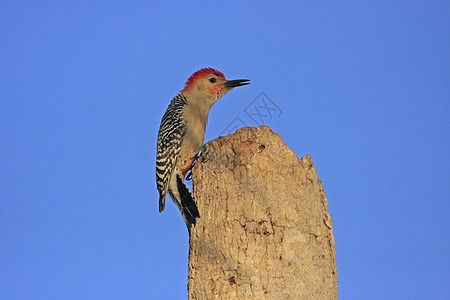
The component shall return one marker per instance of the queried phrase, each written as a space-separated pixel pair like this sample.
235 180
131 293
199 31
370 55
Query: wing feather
170 136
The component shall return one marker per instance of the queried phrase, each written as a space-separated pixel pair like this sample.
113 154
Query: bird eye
212 80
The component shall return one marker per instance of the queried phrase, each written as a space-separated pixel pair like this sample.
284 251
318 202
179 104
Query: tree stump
264 230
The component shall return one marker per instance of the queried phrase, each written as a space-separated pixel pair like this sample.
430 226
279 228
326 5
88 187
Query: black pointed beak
234 83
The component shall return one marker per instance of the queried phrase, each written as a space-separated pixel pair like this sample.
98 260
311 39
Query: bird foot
202 153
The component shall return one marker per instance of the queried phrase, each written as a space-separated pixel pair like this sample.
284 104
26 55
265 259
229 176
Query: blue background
363 87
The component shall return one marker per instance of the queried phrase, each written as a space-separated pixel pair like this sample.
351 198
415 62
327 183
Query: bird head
210 85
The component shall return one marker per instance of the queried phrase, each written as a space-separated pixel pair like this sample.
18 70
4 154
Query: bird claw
202 153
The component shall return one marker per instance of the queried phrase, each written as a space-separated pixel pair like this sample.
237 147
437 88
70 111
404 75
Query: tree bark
264 230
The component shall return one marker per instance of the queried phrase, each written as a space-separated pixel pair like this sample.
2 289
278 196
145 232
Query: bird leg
202 153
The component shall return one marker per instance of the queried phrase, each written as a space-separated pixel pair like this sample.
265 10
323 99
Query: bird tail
187 206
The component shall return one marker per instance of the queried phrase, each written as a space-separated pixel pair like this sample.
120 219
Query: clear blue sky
363 87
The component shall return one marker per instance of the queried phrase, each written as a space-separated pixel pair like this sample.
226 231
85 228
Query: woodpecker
181 136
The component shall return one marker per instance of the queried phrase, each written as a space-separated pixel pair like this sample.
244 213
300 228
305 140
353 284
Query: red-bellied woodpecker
181 136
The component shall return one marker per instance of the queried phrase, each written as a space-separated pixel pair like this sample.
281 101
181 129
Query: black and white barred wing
170 136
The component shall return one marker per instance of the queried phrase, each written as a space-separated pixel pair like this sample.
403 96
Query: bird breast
196 120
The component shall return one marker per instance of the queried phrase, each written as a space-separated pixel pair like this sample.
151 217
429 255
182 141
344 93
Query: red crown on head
200 74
